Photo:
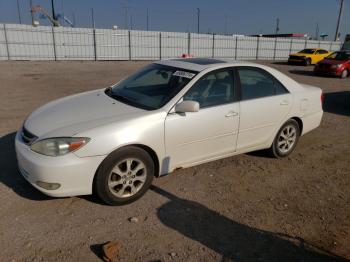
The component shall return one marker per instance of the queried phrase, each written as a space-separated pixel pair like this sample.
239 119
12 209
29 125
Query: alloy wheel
127 177
287 138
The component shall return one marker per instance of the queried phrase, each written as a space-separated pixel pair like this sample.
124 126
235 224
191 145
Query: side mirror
187 106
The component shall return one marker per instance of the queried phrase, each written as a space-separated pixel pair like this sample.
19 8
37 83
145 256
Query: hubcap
127 177
287 138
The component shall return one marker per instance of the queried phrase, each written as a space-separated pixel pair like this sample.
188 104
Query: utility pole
131 25
53 10
147 20
317 31
62 14
277 26
198 14
92 18
338 22
125 17
19 13
73 19
225 24
31 11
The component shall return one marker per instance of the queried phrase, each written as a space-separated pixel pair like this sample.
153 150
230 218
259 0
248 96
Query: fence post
290 46
305 43
274 49
213 46
6 43
330 47
160 46
94 39
319 43
236 48
189 43
129 40
257 47
54 43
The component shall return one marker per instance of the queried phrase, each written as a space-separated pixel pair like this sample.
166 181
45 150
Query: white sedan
170 114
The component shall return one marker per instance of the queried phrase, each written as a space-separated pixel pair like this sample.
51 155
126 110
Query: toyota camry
171 114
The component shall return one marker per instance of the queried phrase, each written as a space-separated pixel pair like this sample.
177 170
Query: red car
336 64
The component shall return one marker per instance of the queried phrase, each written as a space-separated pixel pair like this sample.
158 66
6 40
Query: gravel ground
244 208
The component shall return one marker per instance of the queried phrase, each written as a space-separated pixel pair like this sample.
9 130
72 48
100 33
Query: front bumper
296 60
74 174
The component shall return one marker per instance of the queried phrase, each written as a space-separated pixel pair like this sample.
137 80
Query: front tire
286 139
307 62
344 74
124 176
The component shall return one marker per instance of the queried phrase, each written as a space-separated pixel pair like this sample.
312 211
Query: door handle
230 114
284 103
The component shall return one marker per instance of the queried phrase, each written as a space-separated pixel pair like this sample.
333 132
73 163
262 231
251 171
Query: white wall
26 42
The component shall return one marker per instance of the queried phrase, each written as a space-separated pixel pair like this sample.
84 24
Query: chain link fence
25 42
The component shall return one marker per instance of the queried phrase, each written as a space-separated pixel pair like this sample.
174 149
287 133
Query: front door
212 131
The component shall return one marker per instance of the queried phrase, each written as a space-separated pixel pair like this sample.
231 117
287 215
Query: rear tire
124 176
286 139
344 74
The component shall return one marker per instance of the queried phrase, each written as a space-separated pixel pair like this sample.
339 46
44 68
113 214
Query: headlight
59 146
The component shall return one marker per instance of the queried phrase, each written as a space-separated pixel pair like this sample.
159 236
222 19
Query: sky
219 16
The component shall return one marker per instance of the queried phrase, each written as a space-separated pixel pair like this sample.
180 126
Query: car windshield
151 87
307 51
339 56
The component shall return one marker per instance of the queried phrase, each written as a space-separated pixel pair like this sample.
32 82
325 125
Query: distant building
283 35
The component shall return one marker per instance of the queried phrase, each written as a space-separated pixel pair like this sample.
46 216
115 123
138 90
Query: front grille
295 57
27 137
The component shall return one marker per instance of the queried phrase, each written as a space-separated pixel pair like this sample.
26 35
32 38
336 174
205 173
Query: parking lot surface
244 208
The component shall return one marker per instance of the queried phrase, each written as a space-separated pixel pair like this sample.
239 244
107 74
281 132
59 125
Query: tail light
322 98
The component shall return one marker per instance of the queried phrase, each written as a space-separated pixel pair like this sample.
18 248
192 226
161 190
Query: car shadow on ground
337 103
303 72
233 240
9 174
280 63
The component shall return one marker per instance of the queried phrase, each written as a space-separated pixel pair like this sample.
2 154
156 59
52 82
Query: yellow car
308 56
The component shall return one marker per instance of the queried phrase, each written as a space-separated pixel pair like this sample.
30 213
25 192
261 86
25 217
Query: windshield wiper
109 92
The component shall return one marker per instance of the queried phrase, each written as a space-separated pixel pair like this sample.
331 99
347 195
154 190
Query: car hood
300 54
331 62
73 114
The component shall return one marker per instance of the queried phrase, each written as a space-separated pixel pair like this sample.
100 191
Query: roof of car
197 64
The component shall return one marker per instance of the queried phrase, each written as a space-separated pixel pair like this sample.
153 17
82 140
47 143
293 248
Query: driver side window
215 88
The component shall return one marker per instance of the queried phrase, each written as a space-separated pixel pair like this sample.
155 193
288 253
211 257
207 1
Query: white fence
25 42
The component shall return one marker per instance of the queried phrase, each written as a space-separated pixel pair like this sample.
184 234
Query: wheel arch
300 123
148 149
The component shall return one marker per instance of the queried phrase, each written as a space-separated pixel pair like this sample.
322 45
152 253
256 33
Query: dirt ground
244 208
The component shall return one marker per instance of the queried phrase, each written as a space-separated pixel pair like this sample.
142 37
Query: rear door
320 55
264 104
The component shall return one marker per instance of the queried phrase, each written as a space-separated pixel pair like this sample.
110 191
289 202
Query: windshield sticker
184 74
